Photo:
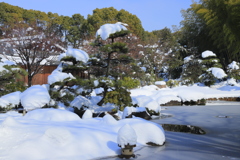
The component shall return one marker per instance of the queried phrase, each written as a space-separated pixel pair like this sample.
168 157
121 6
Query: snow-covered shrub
172 83
35 97
234 70
212 69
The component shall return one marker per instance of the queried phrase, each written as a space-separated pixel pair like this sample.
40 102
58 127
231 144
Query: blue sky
154 14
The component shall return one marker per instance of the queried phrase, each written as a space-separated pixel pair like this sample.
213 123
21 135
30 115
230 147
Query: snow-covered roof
105 30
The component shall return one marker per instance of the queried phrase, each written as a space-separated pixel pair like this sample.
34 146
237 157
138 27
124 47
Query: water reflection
183 128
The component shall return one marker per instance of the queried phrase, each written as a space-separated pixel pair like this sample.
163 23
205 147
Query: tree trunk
100 103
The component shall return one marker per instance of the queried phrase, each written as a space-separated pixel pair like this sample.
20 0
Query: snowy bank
71 138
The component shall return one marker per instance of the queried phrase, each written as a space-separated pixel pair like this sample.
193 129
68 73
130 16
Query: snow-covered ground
60 134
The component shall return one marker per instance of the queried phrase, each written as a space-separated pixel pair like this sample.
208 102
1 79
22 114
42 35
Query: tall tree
33 46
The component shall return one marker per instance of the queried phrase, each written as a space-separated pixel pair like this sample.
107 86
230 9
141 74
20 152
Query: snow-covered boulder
141 112
80 102
233 65
105 30
13 98
34 97
147 102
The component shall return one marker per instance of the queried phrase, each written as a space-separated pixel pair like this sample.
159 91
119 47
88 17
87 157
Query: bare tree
31 47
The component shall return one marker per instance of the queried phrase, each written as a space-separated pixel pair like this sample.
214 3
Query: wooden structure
42 77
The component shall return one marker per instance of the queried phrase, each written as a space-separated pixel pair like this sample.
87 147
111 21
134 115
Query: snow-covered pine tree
212 68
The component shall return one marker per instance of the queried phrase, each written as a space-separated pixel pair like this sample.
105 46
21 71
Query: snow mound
217 72
50 114
147 102
57 136
80 55
80 101
167 98
149 132
105 30
208 53
126 136
160 83
109 120
129 110
35 97
57 76
13 98
10 122
190 93
87 114
4 103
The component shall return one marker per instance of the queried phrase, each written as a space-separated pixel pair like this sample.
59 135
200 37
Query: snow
105 30
34 97
217 72
188 58
126 136
80 55
87 114
65 136
58 76
80 101
11 98
128 110
50 114
160 83
233 65
208 53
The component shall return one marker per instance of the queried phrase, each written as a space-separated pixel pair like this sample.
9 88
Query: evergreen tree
11 78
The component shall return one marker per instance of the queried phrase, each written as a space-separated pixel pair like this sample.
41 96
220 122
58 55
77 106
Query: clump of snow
87 114
217 72
80 101
34 97
232 82
160 83
208 53
50 114
105 30
129 110
147 102
167 98
126 136
233 65
109 120
57 76
80 55
12 98
189 93
188 58
3 103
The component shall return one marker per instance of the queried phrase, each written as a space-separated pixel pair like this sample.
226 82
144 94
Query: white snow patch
80 55
233 65
87 114
107 29
208 53
80 101
126 136
34 97
57 76
50 114
217 72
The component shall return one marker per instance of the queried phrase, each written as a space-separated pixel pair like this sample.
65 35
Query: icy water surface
221 141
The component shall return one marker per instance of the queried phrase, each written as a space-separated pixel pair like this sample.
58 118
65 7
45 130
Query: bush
172 83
